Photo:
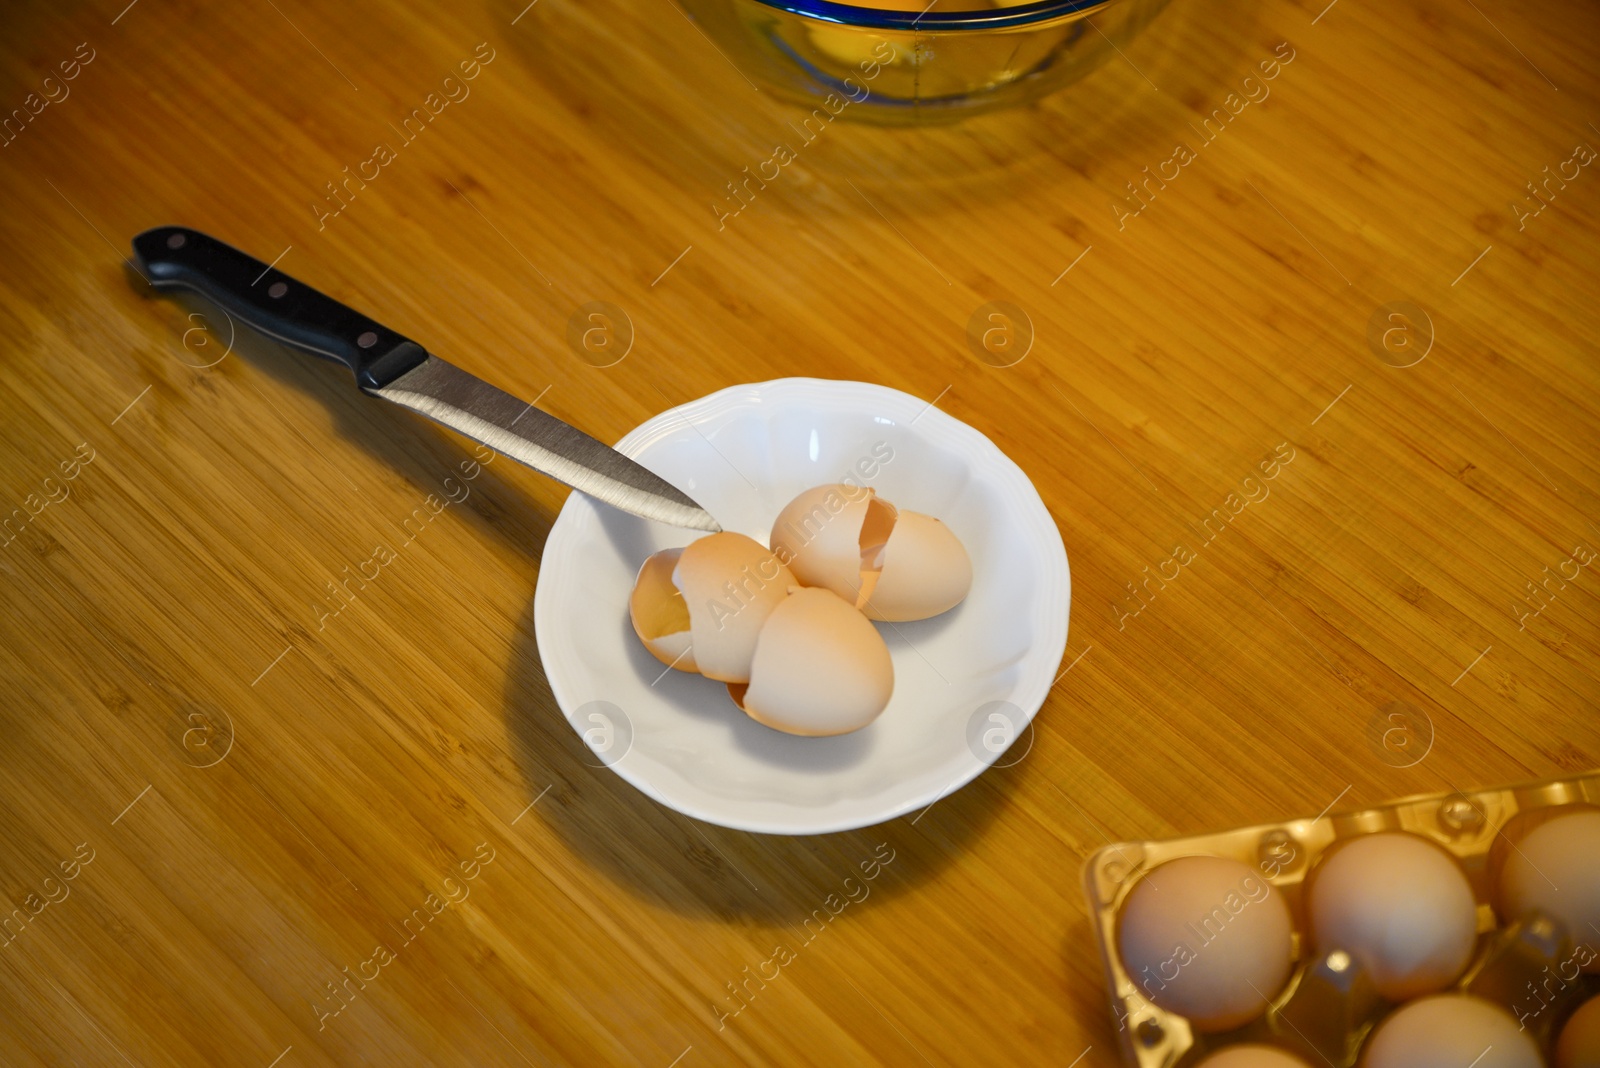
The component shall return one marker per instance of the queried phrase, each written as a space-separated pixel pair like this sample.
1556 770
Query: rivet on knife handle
175 257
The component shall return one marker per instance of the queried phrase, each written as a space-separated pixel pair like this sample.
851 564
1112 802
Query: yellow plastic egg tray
1324 1012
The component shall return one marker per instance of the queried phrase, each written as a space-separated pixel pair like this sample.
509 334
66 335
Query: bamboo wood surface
270 779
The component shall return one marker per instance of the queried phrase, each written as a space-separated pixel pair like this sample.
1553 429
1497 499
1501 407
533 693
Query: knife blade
397 369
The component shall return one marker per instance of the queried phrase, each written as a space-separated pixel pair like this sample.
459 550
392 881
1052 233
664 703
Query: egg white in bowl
966 683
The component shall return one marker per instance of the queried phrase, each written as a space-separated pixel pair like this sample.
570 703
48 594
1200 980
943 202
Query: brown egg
820 668
1450 1031
1207 938
1399 904
1253 1057
701 607
893 565
1579 1045
1549 859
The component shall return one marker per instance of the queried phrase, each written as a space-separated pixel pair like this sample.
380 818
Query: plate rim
1052 611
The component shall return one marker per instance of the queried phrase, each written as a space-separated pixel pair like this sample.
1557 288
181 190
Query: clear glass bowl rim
934 20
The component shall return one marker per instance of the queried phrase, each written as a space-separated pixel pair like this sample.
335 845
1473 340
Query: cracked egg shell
818 535
706 603
820 668
659 614
892 565
921 571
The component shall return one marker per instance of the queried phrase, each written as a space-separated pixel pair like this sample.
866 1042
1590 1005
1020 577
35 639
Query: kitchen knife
397 369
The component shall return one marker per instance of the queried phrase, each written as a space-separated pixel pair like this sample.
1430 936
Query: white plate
967 683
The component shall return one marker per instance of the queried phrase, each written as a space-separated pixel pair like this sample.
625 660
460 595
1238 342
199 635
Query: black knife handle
175 257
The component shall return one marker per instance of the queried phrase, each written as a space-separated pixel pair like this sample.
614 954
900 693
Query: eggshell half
1400 905
1208 938
1253 1057
659 614
1450 1031
924 570
820 668
730 584
1579 1045
818 535
1549 859
893 565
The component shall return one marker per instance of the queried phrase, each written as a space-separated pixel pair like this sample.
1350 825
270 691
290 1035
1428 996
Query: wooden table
267 789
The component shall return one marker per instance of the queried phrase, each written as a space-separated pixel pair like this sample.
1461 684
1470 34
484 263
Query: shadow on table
416 449
700 868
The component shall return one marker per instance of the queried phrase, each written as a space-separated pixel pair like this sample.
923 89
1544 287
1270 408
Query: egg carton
1328 1005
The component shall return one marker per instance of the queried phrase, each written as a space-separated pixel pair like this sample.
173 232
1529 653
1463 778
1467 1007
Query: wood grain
165 609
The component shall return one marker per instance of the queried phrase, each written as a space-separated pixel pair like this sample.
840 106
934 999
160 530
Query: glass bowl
935 62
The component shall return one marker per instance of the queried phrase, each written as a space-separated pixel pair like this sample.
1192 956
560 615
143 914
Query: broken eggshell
700 608
894 566
820 668
659 614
